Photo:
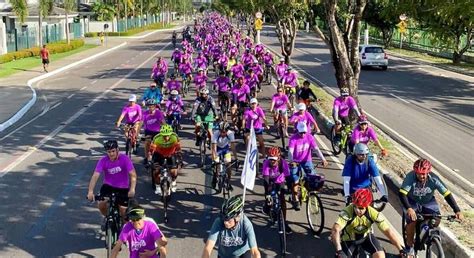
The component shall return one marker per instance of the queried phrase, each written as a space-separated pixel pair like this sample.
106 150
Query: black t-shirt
306 93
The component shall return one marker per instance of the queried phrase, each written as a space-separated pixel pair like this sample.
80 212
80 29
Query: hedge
154 26
56 47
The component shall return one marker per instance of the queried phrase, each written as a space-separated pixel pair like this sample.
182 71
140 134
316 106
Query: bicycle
165 183
267 74
427 235
131 141
281 128
186 82
276 215
175 124
204 139
223 181
290 93
308 192
340 142
224 106
112 221
377 204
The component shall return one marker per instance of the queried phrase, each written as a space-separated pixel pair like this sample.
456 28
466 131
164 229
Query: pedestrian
101 37
44 52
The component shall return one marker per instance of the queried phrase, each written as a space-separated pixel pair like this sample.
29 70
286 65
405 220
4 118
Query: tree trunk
387 37
458 53
68 40
40 31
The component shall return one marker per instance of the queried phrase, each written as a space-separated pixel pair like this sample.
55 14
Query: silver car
370 55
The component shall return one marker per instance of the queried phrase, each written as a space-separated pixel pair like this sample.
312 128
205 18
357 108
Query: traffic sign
258 24
402 17
402 27
258 15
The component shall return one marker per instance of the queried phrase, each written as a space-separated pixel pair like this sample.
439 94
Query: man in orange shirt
44 52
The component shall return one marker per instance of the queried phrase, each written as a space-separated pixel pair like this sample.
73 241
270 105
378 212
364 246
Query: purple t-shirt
222 83
305 118
290 79
301 147
152 122
363 137
281 101
115 172
281 69
274 172
237 70
132 114
200 81
256 115
174 85
241 92
252 81
174 106
344 106
145 241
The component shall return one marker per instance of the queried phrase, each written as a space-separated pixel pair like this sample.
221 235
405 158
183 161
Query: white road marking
70 96
83 88
395 96
102 76
94 81
317 59
50 136
56 105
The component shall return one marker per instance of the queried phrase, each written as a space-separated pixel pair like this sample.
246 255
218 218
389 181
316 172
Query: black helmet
136 213
232 207
110 144
224 126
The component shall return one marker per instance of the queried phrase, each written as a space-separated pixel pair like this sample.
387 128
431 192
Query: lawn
12 67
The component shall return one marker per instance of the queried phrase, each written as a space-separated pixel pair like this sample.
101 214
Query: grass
432 59
24 64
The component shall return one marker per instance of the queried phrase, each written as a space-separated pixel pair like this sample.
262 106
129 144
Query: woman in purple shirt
364 133
255 115
305 117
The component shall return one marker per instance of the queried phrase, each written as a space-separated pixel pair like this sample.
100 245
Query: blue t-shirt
360 172
152 94
422 193
234 242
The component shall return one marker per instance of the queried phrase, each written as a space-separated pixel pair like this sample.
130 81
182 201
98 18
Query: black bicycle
204 139
427 235
223 181
276 215
281 128
267 74
340 141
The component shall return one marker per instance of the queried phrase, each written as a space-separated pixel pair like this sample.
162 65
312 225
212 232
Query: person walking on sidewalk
44 52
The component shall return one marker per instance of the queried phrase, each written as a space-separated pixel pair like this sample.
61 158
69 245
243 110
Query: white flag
250 164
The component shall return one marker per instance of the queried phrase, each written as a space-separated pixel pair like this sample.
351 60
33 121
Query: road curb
19 114
150 33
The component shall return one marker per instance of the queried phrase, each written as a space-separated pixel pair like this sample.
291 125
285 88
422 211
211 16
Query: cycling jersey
160 68
200 81
241 93
116 172
257 69
363 136
138 243
185 68
174 106
359 173
165 148
238 70
223 142
252 80
173 85
422 193
223 61
305 118
247 59
230 63
301 147
200 62
281 101
152 94
152 121
256 116
274 172
132 113
290 79
341 107
281 69
176 56
356 227
222 84
268 59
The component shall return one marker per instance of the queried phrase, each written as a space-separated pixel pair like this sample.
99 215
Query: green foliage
45 7
57 47
383 15
130 32
103 11
20 8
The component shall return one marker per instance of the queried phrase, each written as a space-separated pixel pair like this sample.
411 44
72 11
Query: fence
136 22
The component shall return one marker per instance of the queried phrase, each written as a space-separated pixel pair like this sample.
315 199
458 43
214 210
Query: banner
250 163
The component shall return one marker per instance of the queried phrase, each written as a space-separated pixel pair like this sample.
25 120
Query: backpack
203 108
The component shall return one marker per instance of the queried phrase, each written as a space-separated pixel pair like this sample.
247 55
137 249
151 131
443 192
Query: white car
370 55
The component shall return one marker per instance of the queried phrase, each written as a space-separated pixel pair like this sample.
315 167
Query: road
46 165
431 107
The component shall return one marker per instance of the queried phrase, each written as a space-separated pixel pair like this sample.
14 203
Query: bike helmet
289 68
136 213
152 84
363 119
362 198
361 149
151 102
166 130
344 91
174 92
422 166
224 126
110 144
301 127
273 152
301 106
282 59
232 207
204 91
200 70
132 98
253 100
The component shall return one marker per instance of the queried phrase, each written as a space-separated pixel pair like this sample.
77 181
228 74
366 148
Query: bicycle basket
314 182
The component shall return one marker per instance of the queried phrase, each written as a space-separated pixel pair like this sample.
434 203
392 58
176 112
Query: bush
56 47
91 34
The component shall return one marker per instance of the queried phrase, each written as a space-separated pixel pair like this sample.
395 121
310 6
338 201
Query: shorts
169 118
209 119
431 207
224 152
159 79
307 167
170 161
150 134
284 111
370 244
345 120
223 95
45 61
122 194
257 131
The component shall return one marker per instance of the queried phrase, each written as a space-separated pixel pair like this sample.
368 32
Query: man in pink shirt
44 53
305 117
132 113
255 115
280 103
152 120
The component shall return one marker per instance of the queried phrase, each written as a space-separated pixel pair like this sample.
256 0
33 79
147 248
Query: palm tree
45 7
20 8
69 6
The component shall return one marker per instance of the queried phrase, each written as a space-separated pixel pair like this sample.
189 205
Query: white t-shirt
222 142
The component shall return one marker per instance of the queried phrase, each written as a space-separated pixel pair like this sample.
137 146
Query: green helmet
166 130
232 207
136 213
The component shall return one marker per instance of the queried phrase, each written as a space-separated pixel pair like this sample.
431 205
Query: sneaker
158 189
173 186
288 230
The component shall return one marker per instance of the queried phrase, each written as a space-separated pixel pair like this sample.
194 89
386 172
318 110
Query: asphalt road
431 107
46 166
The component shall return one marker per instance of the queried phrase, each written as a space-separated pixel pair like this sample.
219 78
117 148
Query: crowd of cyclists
228 71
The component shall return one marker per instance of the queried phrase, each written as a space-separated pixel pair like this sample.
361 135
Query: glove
384 152
384 198
348 200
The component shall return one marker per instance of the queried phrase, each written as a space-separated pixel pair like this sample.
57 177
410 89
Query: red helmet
362 197
273 152
422 166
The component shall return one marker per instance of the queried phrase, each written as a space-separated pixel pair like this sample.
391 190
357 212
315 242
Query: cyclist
152 120
247 58
223 62
357 171
159 71
281 103
142 236
132 112
268 61
300 147
176 58
174 108
200 80
364 133
341 107
200 62
252 81
258 70
256 115
174 38
223 142
354 224
120 178
204 111
276 175
152 93
280 70
305 93
240 96
290 82
237 70
222 83
304 116
165 145
173 84
232 231
417 196
185 69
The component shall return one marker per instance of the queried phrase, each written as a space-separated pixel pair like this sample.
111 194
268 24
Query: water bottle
424 230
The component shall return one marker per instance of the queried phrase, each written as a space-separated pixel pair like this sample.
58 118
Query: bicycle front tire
434 249
315 213
109 240
336 148
282 233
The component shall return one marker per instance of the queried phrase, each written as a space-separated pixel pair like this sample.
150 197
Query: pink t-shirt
363 137
344 106
132 114
145 241
274 172
281 69
290 79
174 106
281 101
152 122
116 173
305 118
222 83
301 147
256 116
200 81
241 92
174 85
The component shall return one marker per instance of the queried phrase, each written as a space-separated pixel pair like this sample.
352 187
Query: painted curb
150 33
18 115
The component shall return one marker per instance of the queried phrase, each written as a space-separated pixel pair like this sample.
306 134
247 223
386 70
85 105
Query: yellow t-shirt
359 225
166 148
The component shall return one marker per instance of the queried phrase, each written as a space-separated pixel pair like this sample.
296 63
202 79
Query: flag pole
245 167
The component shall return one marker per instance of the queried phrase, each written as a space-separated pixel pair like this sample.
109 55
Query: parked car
370 55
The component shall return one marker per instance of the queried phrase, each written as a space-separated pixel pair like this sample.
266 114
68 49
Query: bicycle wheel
282 233
128 148
335 143
434 249
150 170
282 135
165 197
315 213
109 240
202 151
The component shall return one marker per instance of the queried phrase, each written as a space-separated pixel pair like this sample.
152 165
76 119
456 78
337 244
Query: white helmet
132 97
302 127
204 91
174 92
253 100
301 106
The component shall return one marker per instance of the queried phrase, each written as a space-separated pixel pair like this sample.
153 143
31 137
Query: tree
103 11
383 15
45 7
20 8
69 6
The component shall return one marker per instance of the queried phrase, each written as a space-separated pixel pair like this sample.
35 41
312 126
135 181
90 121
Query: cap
301 106
302 127
132 97
273 158
253 100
